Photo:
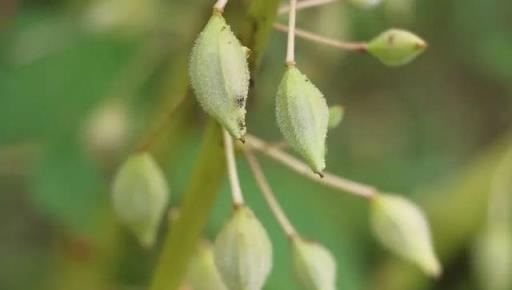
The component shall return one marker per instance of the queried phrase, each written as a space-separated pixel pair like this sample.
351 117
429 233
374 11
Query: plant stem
300 167
304 4
219 5
348 46
269 195
290 52
236 192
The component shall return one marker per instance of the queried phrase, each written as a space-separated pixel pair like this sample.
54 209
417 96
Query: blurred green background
83 82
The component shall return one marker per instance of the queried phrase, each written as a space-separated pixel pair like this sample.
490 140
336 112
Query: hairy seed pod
220 75
401 227
314 265
140 196
365 4
303 117
335 116
396 47
202 273
243 252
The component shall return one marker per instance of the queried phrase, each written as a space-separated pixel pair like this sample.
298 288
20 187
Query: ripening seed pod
202 273
220 75
493 258
401 227
140 196
396 47
303 117
365 4
243 252
314 265
335 116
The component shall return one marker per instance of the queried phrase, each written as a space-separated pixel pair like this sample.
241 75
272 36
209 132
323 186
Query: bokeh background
83 82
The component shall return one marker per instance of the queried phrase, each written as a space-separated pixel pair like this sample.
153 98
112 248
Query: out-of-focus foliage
414 129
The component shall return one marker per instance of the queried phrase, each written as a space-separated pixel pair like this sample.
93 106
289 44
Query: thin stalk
304 4
307 35
219 5
290 52
269 195
236 192
302 168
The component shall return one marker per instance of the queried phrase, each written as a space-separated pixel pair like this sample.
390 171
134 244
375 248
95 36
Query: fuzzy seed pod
401 226
303 117
202 273
335 116
220 75
396 47
365 4
243 252
314 266
140 196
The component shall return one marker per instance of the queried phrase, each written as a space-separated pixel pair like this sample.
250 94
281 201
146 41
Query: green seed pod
396 47
401 227
140 196
202 273
365 4
220 75
314 266
493 258
243 252
303 117
335 116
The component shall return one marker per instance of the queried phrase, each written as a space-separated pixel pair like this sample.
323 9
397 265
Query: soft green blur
84 83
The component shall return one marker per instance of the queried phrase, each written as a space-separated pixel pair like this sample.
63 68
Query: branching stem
304 4
269 195
347 46
236 192
300 167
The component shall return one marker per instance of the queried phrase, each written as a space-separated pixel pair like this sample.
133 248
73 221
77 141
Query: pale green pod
314 265
401 227
220 75
365 4
303 117
140 195
396 47
493 258
335 116
202 272
243 252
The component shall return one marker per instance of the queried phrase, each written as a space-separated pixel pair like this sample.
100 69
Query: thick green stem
197 203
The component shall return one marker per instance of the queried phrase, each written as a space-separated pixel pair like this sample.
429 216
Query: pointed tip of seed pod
242 139
422 45
319 173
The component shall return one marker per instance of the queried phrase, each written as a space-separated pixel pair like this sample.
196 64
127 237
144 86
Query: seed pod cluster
396 47
140 195
303 117
401 227
314 265
243 252
220 75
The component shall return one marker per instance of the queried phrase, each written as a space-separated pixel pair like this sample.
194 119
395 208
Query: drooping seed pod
243 252
396 47
335 116
220 75
365 4
401 227
303 117
314 266
202 273
493 258
140 195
